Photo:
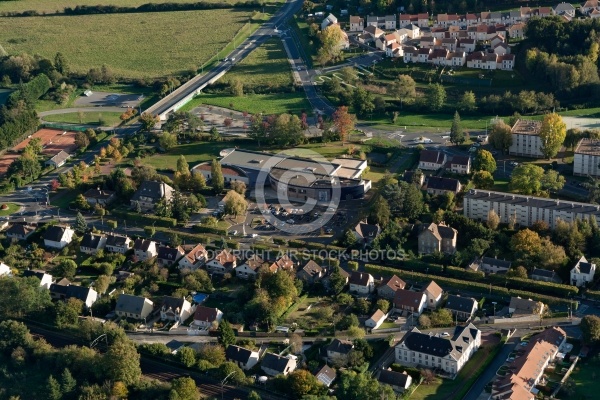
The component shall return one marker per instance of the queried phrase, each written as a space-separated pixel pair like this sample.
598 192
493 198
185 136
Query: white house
194 259
361 283
407 300
136 307
273 364
45 279
204 317
242 357
431 160
357 23
399 381
376 319
58 160
117 243
583 272
434 294
145 249
249 269
58 237
327 22
435 352
222 263
5 270
175 309
87 295
91 243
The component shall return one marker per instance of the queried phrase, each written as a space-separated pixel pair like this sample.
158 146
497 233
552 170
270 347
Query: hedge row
197 238
145 219
31 91
210 229
462 284
157 7
549 288
593 294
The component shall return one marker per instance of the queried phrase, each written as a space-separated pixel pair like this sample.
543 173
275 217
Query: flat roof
250 159
307 165
526 127
588 146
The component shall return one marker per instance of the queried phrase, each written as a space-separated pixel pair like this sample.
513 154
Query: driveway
490 371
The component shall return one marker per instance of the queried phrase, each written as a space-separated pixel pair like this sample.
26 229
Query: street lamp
223 383
494 303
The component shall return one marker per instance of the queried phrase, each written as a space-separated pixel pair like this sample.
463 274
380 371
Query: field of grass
265 66
88 118
45 6
132 45
276 103
12 208
586 379
442 121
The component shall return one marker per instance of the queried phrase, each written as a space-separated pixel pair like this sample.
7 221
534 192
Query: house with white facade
45 279
242 357
145 249
117 243
462 308
194 259
175 309
92 242
586 161
224 262
205 317
375 320
460 165
136 307
434 294
361 283
434 352
399 381
249 268
357 24
273 364
58 237
408 300
327 22
583 272
5 270
432 160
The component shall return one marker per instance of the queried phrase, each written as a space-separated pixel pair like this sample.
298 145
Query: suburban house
565 9
19 231
434 294
417 177
194 259
150 193
361 283
249 269
399 381
204 317
519 307
87 295
175 309
117 243
58 160
437 238
326 375
375 320
330 20
58 290
144 249
91 243
432 160
45 279
136 307
167 256
527 370
545 275
284 262
407 300
462 308
5 270
460 165
99 196
357 24
589 6
223 263
365 233
583 272
310 273
438 185
388 288
274 365
242 357
431 351
489 265
339 349
58 237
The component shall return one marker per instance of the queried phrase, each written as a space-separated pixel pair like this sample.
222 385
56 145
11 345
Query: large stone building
587 158
525 210
446 354
526 139
437 238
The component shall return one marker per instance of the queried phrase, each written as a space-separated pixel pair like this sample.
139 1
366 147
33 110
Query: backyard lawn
585 377
12 208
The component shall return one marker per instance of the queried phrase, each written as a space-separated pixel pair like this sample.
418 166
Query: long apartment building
525 210
587 158
526 139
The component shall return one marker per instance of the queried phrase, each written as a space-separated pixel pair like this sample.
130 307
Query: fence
64 127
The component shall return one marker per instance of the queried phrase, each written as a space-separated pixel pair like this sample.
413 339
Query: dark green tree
435 97
484 161
54 389
380 211
457 135
81 225
226 334
590 328
184 389
218 182
122 362
68 384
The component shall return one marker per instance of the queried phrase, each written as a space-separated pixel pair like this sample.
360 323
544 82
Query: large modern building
525 139
587 158
525 210
434 352
298 178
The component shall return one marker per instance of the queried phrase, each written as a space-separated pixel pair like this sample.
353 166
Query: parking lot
105 99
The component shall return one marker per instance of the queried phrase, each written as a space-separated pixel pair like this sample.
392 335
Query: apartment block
525 139
587 158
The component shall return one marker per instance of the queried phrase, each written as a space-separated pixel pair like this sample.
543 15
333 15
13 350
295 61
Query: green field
132 45
194 153
441 121
276 103
45 6
88 118
12 208
585 378
266 66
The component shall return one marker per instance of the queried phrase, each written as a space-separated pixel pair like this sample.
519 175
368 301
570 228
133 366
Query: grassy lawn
585 377
182 40
12 208
88 118
63 198
52 6
276 103
266 66
500 185
441 121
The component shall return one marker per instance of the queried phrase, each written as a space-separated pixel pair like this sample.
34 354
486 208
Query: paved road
267 30
489 373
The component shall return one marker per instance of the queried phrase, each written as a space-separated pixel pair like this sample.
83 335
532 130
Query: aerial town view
296 199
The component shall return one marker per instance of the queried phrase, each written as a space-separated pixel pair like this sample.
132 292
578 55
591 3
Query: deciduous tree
590 328
167 140
500 136
404 87
483 180
122 362
552 134
184 388
330 50
148 121
435 97
235 204
526 179
343 122
484 161
493 220
467 102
